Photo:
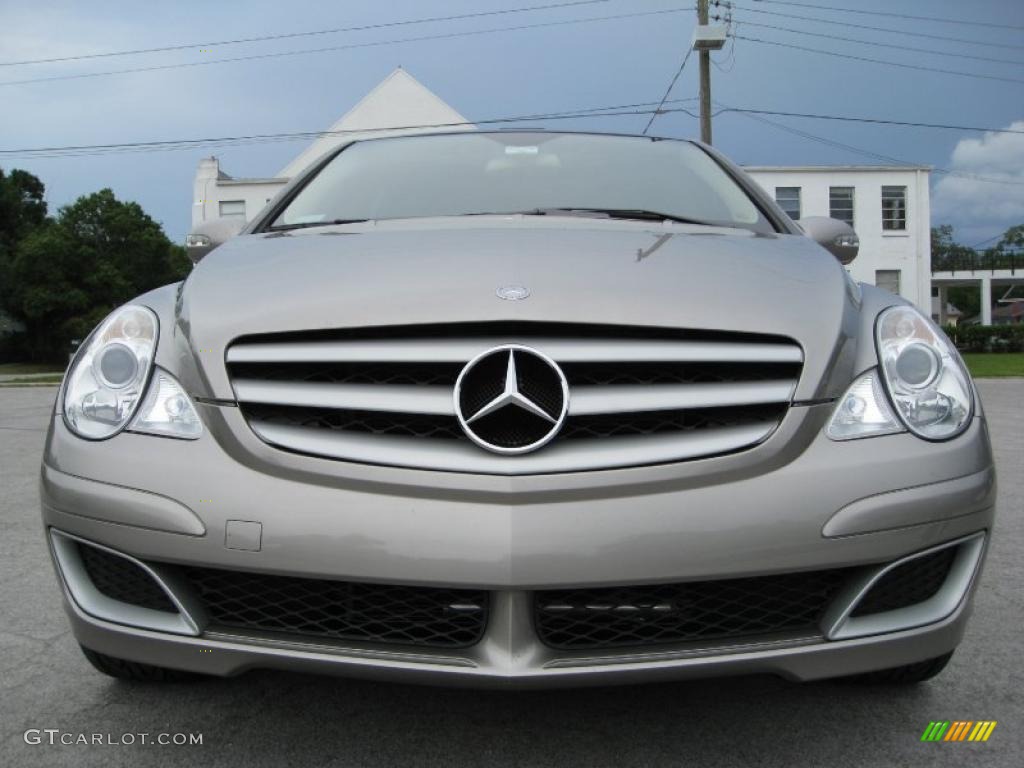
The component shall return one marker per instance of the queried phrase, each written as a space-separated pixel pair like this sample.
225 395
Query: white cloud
974 206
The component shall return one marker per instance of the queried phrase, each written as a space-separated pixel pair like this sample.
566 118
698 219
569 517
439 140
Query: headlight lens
105 382
863 411
167 410
923 374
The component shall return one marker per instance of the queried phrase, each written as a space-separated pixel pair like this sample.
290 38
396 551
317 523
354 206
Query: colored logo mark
958 730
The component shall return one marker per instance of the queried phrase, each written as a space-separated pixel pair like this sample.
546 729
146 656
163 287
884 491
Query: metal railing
979 263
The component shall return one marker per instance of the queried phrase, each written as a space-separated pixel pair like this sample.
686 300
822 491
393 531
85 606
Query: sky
515 72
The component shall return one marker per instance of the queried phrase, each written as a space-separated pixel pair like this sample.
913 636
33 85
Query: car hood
448 271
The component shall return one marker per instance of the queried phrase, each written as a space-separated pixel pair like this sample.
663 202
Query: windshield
541 173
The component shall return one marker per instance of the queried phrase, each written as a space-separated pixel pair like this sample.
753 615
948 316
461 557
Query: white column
943 317
986 301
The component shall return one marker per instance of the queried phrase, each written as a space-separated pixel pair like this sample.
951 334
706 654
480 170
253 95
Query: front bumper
506 659
829 505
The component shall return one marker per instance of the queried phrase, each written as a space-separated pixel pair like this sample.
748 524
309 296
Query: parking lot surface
277 719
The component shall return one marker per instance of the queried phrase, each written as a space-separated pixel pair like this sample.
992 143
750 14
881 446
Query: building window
788 199
840 204
889 279
894 208
230 209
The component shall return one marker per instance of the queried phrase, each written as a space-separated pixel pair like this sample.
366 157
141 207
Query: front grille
913 582
592 619
120 579
318 608
386 396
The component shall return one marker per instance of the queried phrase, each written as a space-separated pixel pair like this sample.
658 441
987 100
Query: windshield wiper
640 214
307 224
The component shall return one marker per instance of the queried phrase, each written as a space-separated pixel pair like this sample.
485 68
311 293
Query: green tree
945 247
22 207
69 272
1012 240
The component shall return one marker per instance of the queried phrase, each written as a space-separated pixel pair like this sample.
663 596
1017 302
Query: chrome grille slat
457 350
579 456
619 398
585 400
635 396
399 398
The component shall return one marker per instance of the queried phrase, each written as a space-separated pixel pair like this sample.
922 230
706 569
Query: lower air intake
913 582
120 579
379 613
588 619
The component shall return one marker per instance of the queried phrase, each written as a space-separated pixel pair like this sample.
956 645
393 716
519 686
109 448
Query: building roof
398 100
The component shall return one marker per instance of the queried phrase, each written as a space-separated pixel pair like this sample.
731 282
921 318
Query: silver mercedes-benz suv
519 408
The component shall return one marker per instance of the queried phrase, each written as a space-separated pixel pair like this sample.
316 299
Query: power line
887 30
264 38
885 45
350 46
668 91
936 19
879 61
173 144
874 120
985 241
611 110
868 153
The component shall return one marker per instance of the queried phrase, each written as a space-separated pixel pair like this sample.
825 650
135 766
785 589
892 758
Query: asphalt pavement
278 719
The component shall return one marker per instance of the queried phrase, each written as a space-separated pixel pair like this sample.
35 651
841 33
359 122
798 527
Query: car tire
123 669
906 675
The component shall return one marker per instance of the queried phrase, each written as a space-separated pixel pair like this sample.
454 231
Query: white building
399 100
888 206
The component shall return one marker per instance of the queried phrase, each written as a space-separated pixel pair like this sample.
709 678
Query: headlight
105 386
105 382
923 374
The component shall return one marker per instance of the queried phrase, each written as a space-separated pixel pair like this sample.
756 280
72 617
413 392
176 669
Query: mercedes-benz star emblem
511 399
513 292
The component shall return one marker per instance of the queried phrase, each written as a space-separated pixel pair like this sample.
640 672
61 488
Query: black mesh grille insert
121 579
420 616
371 422
909 584
584 619
657 422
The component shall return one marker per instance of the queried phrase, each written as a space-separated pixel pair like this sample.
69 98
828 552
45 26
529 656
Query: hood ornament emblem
513 292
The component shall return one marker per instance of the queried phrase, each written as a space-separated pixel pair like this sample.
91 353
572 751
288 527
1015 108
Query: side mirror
208 235
836 237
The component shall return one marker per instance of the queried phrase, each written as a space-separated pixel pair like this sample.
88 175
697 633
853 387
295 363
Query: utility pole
705 77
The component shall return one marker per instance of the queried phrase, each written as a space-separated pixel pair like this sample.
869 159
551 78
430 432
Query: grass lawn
9 369
984 365
32 381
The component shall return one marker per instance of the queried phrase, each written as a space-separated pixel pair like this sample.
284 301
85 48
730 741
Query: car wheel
133 670
908 675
